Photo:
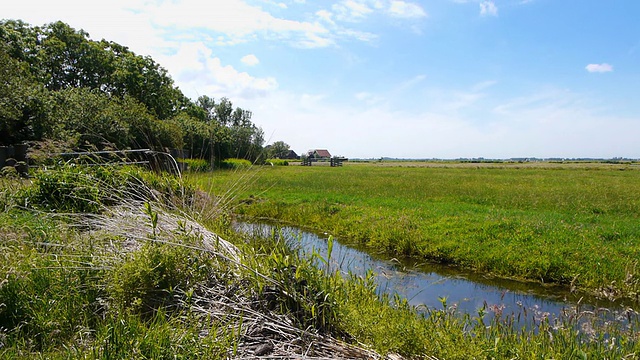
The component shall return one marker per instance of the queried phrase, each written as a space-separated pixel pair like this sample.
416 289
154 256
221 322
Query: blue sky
410 79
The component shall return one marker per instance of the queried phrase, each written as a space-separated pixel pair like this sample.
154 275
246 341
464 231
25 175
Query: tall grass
115 266
139 277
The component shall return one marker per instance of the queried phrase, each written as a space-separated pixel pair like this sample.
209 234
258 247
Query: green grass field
118 263
573 224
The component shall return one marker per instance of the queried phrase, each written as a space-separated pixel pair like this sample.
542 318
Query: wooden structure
337 161
334 161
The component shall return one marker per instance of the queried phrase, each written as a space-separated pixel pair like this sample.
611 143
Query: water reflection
425 285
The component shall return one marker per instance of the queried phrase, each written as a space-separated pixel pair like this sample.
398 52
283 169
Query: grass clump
235 164
151 277
88 189
196 165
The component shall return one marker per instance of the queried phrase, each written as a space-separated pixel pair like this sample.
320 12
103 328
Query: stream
425 285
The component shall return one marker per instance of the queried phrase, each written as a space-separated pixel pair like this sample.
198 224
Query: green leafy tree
24 104
196 134
69 59
278 150
143 79
57 83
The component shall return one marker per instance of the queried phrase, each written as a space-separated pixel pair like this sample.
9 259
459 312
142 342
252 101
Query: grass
573 225
130 273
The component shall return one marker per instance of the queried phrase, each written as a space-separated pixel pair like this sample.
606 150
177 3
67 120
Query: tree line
58 86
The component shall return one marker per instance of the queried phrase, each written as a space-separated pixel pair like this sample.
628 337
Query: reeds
138 276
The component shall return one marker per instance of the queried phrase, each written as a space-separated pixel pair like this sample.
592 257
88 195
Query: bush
71 189
196 165
87 189
235 164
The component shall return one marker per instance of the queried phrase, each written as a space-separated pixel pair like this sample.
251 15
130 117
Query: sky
395 78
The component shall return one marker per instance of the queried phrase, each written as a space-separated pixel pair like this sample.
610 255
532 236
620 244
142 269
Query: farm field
570 224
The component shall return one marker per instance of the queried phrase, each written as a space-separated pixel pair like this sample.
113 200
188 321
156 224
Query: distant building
319 154
291 155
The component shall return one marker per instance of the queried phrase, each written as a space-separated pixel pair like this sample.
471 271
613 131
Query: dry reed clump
121 222
225 298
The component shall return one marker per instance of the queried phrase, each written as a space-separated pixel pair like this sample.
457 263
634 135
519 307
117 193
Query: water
426 285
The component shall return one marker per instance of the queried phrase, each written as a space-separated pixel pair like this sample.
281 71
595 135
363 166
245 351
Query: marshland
106 255
120 262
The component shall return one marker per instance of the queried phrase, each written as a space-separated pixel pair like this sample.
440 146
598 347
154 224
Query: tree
57 83
208 106
24 104
223 111
278 150
196 135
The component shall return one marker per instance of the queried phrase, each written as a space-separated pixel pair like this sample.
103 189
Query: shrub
71 189
86 189
235 164
196 165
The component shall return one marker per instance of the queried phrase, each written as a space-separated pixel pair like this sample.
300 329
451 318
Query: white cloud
351 10
358 35
403 9
199 72
407 84
147 25
488 8
233 19
370 99
325 16
250 60
112 20
599 68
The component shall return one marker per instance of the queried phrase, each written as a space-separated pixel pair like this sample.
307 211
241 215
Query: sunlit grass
141 278
574 225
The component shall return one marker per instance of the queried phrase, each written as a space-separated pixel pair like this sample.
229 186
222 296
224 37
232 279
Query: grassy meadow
570 224
120 263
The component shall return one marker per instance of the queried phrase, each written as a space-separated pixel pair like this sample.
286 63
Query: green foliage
58 85
197 134
297 286
44 294
24 107
151 277
131 337
236 164
196 165
69 190
277 150
88 189
56 293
